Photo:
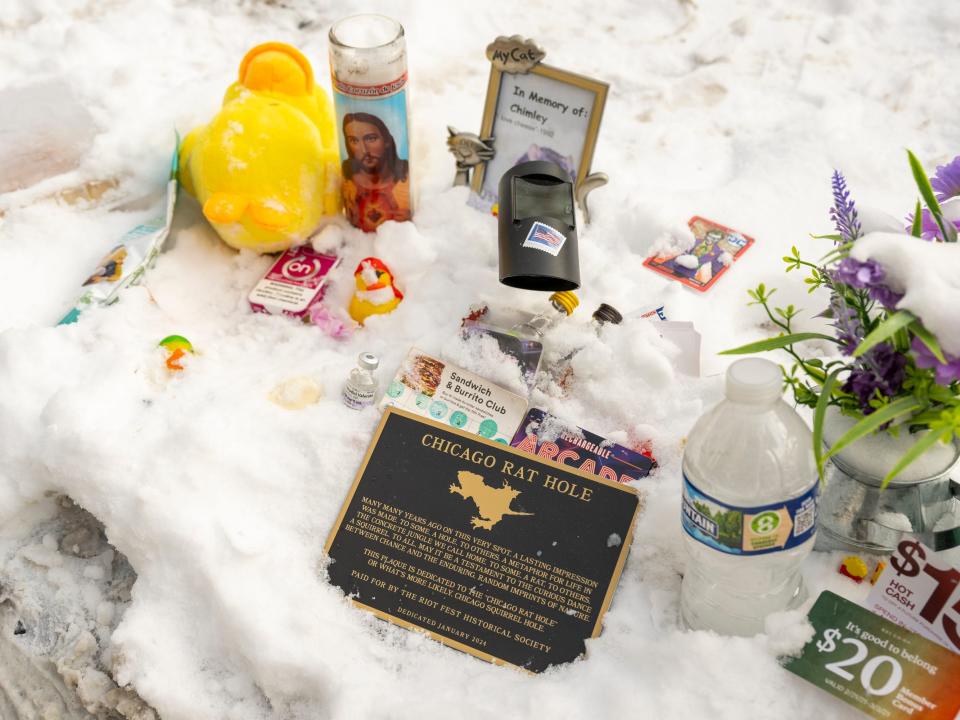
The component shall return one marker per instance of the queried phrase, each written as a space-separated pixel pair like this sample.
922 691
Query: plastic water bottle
749 505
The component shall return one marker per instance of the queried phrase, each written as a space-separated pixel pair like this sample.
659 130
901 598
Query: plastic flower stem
797 262
837 253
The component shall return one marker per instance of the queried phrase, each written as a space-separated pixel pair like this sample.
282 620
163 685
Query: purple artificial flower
946 181
844 213
929 230
333 325
882 371
849 331
869 276
860 275
885 296
945 373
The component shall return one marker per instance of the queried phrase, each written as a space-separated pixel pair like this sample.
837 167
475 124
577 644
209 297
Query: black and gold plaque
490 550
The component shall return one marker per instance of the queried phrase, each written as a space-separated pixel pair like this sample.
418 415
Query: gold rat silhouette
492 503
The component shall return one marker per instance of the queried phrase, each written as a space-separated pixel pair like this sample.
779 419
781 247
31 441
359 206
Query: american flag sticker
543 237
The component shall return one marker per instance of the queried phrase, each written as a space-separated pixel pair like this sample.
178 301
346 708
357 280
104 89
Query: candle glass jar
368 64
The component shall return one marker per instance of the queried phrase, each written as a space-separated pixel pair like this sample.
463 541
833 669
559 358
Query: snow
874 455
56 624
222 500
928 273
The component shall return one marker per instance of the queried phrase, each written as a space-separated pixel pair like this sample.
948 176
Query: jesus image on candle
376 180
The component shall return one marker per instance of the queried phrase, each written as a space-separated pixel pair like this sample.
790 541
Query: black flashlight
538 230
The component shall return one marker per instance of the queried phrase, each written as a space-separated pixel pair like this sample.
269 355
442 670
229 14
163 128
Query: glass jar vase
857 514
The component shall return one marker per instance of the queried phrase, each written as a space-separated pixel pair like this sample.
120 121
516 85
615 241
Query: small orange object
173 362
854 568
271 215
224 207
177 346
877 572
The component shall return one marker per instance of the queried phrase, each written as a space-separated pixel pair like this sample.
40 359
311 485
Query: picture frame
543 114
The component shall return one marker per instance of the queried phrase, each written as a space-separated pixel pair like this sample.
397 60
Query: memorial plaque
490 550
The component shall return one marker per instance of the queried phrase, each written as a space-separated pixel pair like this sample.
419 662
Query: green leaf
942 395
884 330
826 392
927 338
776 343
760 295
787 313
920 176
835 238
926 417
816 373
918 449
841 250
871 422
917 227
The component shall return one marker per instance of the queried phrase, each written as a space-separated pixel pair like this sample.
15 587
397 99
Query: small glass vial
361 386
562 304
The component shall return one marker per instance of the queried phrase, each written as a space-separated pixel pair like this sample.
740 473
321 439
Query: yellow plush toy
266 169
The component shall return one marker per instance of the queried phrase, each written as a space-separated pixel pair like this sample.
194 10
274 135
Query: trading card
715 248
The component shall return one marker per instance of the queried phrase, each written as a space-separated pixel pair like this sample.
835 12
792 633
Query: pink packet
294 284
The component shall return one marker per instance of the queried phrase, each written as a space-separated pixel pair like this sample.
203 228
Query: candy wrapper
294 284
126 263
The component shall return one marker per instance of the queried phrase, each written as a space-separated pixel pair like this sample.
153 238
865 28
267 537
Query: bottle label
370 91
357 398
374 151
749 530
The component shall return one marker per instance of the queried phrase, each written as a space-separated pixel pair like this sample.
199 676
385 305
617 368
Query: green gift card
878 667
